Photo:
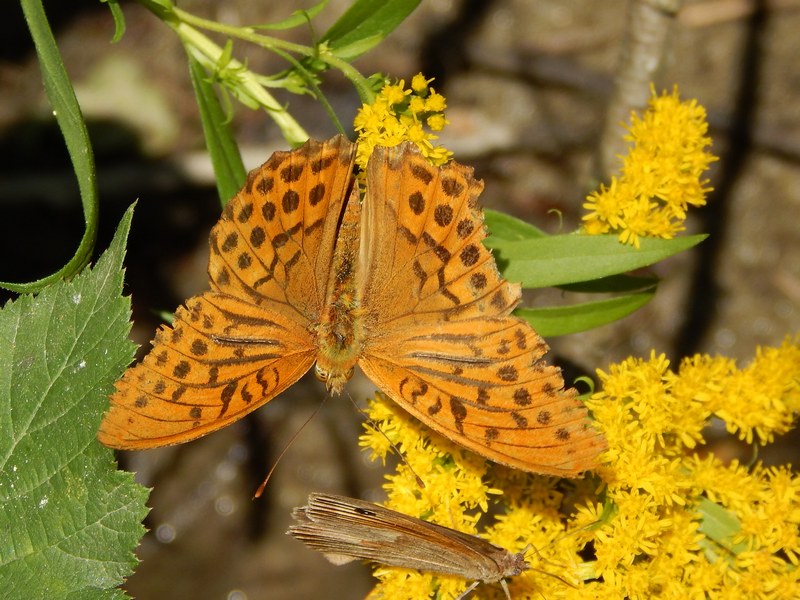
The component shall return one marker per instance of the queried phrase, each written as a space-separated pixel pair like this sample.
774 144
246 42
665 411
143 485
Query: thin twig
642 51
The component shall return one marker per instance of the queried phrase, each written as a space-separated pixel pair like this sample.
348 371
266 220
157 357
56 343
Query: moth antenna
542 559
371 422
531 547
260 489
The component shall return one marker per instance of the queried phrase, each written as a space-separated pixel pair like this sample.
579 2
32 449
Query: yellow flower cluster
661 175
672 522
398 115
687 525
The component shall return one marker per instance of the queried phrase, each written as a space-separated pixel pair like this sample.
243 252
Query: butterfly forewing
449 353
435 254
346 528
231 350
277 236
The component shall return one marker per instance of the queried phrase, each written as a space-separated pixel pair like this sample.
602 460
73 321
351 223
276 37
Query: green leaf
297 18
70 120
562 320
719 526
564 259
613 284
350 52
119 19
503 226
610 512
365 24
225 157
69 519
163 9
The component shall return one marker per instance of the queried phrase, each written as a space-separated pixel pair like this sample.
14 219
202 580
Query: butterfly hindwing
481 383
220 359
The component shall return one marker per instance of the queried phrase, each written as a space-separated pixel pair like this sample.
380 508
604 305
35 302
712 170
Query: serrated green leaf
225 157
365 24
562 320
298 17
503 226
564 259
73 128
70 520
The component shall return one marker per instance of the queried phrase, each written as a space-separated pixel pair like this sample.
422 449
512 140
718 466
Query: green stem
208 54
243 33
270 43
312 84
361 83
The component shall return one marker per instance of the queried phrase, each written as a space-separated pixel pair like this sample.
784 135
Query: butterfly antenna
260 489
372 423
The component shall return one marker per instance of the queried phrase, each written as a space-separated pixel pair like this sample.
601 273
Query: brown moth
345 529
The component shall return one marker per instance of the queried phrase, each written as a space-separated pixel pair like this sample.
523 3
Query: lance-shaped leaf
563 259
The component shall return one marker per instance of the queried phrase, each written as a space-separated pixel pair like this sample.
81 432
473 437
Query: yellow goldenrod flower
399 114
435 103
395 94
670 523
420 84
661 175
436 122
416 104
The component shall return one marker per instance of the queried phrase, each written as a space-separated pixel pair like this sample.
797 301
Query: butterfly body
303 273
340 332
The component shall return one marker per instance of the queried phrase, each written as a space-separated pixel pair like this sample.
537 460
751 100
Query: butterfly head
334 379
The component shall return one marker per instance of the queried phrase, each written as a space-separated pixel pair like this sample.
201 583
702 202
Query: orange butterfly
303 271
